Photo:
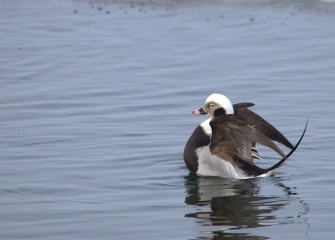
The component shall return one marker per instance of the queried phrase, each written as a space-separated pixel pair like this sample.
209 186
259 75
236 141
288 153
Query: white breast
211 165
206 127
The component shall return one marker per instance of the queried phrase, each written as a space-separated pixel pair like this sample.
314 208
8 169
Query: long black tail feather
253 170
282 162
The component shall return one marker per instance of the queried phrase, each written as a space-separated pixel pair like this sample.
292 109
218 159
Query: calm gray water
96 100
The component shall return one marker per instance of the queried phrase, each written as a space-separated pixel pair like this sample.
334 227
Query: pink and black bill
199 111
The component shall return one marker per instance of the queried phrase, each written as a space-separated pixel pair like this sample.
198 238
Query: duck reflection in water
232 208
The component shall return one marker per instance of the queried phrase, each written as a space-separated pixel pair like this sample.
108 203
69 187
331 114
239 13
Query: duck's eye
211 105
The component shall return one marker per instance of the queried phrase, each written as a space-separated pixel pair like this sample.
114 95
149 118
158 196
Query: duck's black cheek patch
219 112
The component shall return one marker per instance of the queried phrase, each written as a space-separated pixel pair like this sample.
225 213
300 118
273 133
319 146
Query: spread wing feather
248 116
231 136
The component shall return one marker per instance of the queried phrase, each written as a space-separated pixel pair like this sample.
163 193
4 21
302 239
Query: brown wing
231 136
248 116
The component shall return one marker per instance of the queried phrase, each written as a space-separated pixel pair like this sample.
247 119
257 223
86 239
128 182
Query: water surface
96 100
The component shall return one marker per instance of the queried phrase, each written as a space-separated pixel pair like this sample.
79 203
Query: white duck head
215 104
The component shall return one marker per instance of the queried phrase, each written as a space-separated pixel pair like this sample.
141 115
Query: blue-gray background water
95 108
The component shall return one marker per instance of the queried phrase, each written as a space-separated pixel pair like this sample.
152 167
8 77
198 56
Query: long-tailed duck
225 144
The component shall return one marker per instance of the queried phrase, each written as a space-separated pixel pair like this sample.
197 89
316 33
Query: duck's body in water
225 144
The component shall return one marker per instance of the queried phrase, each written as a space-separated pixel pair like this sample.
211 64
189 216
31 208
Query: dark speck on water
96 110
